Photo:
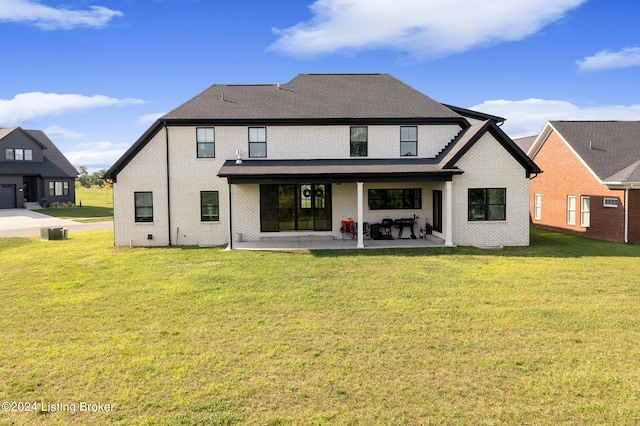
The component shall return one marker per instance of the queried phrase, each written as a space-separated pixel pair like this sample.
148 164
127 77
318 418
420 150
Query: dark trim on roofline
504 140
475 114
133 150
152 131
340 121
341 178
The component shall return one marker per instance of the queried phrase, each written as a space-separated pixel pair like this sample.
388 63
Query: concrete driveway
27 223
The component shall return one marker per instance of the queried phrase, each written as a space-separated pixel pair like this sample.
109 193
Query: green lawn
543 335
97 204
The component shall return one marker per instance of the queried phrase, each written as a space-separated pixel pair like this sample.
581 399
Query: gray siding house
32 168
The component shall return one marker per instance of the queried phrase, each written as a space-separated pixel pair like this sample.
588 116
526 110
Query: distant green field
540 335
97 203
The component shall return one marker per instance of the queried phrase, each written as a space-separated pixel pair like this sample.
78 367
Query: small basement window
610 202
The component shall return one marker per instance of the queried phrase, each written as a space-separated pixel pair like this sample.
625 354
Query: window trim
585 214
352 151
486 204
139 218
613 202
213 217
9 154
537 206
257 142
205 142
571 200
409 141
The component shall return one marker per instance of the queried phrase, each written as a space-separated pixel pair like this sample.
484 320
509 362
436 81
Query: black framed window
209 206
359 141
144 206
295 207
206 142
437 210
395 199
8 154
487 204
58 188
257 142
408 141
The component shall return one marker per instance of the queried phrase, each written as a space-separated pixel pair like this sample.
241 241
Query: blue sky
94 75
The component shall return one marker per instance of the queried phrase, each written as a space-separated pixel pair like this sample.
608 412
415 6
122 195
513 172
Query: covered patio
325 177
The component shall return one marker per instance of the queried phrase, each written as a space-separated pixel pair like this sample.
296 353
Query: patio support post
360 216
448 214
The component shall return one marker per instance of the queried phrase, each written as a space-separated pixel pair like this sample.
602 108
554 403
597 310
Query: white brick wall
488 165
145 172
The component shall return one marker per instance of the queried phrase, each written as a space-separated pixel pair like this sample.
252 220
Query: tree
88 180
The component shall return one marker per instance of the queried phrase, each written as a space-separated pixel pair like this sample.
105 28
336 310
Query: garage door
7 196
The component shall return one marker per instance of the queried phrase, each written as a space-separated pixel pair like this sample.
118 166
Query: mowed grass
542 335
97 203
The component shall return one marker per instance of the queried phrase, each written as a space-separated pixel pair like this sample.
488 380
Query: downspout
626 215
166 132
230 219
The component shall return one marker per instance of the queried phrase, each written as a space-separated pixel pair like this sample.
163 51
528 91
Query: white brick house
297 159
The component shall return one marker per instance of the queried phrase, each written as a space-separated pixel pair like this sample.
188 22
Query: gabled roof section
609 149
472 134
314 96
6 132
54 164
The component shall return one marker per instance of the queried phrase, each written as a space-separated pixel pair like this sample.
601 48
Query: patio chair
366 230
348 229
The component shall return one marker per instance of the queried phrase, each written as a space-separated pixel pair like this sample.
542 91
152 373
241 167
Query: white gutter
626 215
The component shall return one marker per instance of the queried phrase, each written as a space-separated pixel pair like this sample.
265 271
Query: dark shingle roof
314 96
525 143
610 148
54 164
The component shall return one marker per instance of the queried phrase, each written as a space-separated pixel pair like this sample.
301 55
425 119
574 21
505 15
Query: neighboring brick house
296 159
590 183
32 169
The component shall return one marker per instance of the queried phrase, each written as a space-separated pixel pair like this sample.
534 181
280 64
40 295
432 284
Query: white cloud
527 117
27 106
629 57
424 28
96 155
148 119
50 18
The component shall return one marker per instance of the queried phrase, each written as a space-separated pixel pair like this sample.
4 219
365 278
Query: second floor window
206 142
257 142
18 154
359 137
408 141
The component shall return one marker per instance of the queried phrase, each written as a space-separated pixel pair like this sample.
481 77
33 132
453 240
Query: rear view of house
591 180
32 169
299 158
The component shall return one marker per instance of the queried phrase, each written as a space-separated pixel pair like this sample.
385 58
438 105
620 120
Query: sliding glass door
295 207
